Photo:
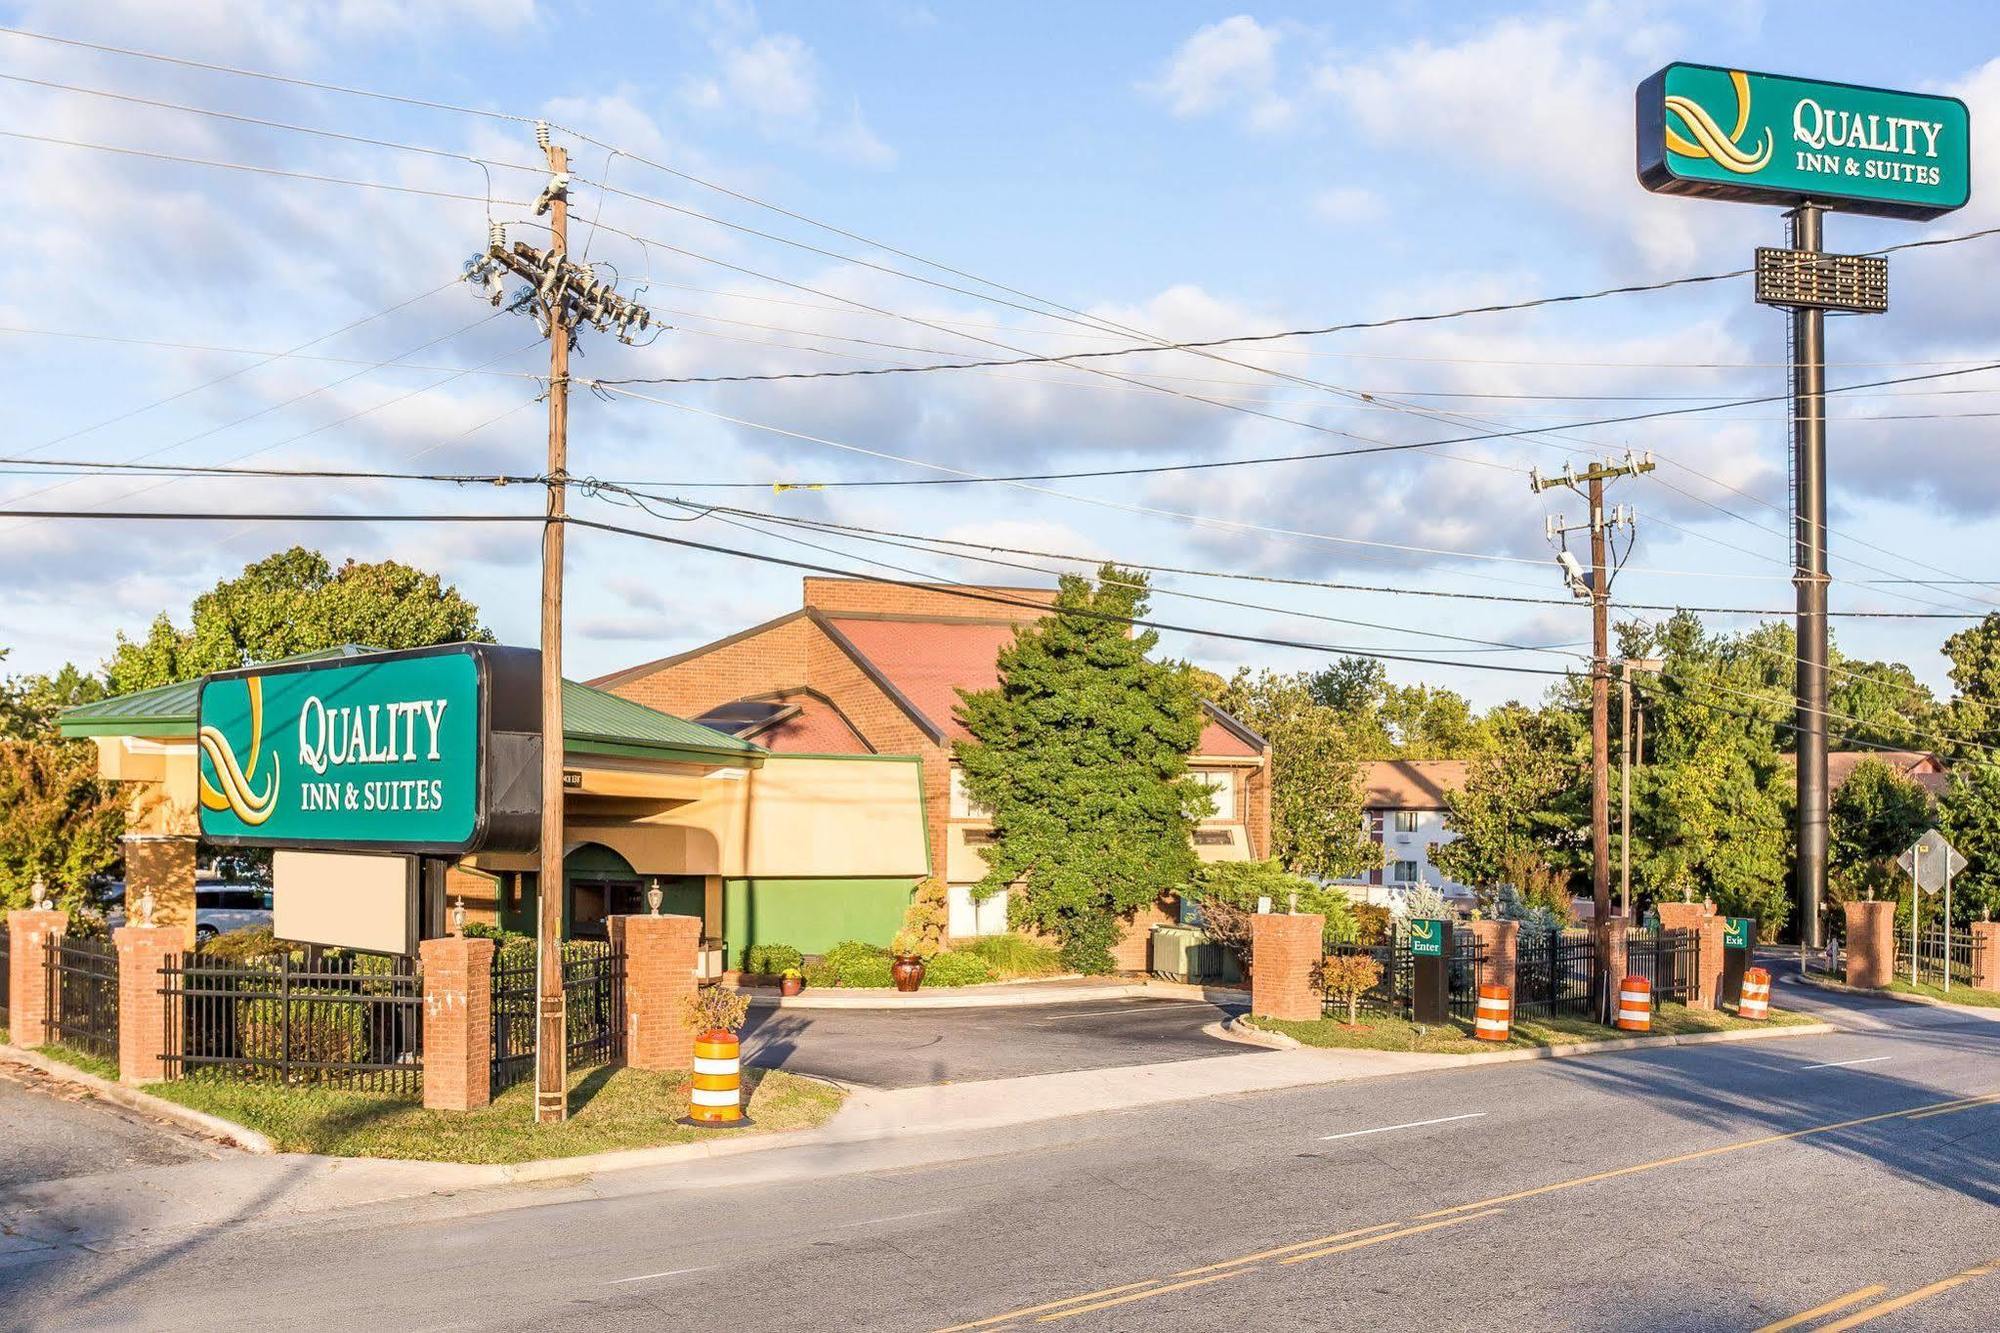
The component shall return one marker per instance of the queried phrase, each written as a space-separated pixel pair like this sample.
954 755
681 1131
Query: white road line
896 1217
1842 1064
1414 1124
672 1272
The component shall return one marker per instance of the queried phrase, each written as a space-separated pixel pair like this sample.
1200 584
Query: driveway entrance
887 1048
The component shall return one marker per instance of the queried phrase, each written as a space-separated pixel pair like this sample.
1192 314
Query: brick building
868 668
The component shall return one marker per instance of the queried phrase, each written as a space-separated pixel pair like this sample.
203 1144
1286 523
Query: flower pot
791 985
907 972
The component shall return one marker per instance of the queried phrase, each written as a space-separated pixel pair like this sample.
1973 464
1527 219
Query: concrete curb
1238 1030
1566 1051
132 1099
1986 1012
985 998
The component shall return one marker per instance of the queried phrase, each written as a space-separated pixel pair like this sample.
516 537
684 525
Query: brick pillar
1707 926
1284 950
1871 944
660 960
458 1023
1986 955
164 864
142 1010
1501 942
28 979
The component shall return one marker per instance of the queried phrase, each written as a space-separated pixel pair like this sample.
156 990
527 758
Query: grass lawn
88 1063
610 1109
1965 995
1455 1038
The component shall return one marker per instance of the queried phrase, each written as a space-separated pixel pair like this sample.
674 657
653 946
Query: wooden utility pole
1596 585
566 297
552 1035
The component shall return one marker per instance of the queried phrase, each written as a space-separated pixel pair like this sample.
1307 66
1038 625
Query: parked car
218 908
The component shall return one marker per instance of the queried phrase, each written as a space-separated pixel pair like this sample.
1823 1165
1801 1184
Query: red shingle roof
929 661
816 728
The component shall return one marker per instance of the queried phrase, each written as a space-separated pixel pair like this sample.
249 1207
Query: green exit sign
1427 937
1768 139
1737 932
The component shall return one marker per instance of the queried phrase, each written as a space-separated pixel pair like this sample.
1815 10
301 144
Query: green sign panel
1736 932
1428 937
1765 138
385 752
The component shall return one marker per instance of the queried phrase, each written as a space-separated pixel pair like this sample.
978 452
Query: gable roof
798 720
1411 784
924 662
592 719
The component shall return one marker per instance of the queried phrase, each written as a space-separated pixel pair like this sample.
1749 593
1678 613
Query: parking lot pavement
884 1048
52 1131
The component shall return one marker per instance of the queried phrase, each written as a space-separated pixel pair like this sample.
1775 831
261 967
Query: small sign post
1739 938
1429 943
1931 862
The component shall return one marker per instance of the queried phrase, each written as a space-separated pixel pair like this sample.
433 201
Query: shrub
1373 923
822 974
771 959
1346 977
253 944
1226 895
713 1009
927 919
956 969
1010 956
853 963
322 1033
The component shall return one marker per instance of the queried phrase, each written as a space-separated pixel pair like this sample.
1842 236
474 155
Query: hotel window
1221 786
962 804
1406 821
1406 873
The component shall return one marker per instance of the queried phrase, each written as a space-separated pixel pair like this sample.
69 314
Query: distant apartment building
1403 811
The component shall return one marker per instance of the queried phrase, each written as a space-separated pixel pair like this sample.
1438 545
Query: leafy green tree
1227 892
61 824
1081 753
1874 816
1973 715
1316 787
292 602
1386 721
1969 815
1524 800
29 704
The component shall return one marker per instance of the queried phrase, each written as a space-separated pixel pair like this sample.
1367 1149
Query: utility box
1186 953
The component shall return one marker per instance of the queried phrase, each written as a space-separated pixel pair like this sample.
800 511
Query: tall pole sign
1809 147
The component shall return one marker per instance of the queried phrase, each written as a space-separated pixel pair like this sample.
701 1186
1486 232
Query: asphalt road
50 1133
905 1048
1694 1188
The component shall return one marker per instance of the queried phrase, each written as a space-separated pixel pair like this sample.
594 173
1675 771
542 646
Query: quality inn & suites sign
388 752
1765 138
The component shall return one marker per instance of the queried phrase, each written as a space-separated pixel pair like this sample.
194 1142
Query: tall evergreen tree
1081 753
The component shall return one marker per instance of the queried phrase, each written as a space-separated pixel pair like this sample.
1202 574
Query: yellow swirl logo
1709 141
235 793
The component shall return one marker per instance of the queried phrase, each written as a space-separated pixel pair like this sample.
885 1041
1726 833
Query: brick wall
1986 955
28 977
1284 950
770 659
458 1023
888 599
659 976
1257 815
479 892
1701 919
1871 944
1134 950
1502 950
164 865
142 1011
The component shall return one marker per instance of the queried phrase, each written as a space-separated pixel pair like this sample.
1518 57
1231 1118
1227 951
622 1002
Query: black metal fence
1553 975
1668 959
1960 960
83 994
1394 994
353 1021
593 1000
6 977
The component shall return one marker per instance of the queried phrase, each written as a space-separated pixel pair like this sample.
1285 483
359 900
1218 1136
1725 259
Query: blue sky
1191 171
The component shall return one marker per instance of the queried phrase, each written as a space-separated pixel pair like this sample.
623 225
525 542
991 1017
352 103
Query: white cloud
1342 204
773 80
1230 65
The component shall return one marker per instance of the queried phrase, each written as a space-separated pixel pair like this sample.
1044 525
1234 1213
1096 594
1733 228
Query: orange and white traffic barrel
1756 1001
1635 1005
715 1098
1494 1020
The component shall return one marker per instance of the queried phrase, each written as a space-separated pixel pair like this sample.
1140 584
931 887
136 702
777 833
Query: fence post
142 1009
458 1023
1699 919
28 961
1284 950
1871 944
1500 941
1985 936
660 956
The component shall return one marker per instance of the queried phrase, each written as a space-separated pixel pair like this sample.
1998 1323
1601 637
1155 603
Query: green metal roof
593 721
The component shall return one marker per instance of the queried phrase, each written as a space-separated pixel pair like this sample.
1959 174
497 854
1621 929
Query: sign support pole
551 1036
1810 579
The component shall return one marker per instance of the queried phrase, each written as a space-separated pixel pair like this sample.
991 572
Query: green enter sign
1427 937
1765 138
384 753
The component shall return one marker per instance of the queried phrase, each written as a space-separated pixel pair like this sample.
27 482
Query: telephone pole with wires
562 297
1595 583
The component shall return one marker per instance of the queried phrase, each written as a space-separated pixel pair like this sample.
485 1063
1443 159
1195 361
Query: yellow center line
1860 1317
1393 1235
1052 1305
1912 1111
1143 1295
1972 1104
1837 1303
1285 1249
